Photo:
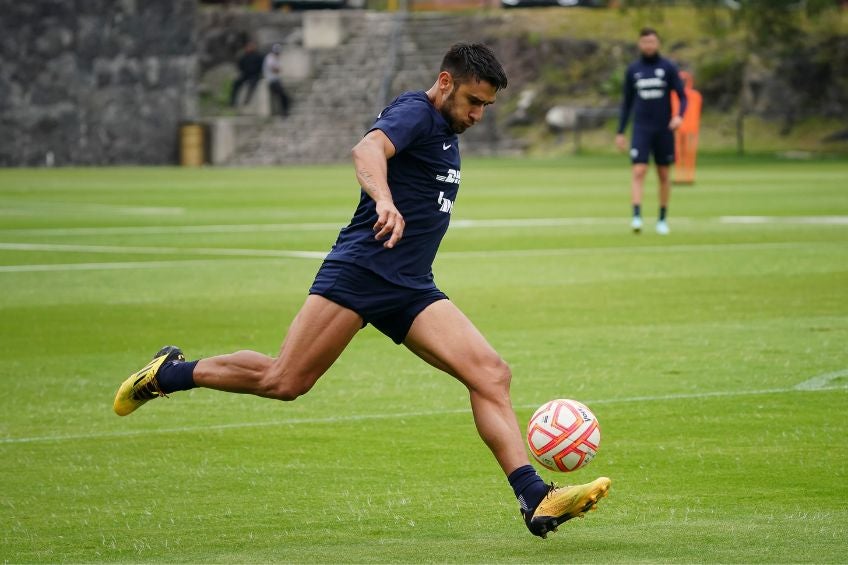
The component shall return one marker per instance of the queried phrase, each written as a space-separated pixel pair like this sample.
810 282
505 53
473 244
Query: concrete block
295 64
260 102
562 118
322 29
222 140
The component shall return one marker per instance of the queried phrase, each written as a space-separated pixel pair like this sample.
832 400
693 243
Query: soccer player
379 272
648 83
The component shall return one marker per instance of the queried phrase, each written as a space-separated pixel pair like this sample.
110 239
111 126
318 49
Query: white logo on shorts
634 153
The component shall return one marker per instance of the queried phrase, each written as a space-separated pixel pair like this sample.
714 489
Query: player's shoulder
668 64
413 101
410 110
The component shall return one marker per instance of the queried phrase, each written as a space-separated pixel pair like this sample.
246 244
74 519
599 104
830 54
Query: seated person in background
250 71
271 72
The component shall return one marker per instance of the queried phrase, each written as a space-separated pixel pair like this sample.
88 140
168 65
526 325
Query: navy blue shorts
659 142
387 306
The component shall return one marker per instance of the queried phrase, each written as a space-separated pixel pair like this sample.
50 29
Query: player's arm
678 87
370 160
626 108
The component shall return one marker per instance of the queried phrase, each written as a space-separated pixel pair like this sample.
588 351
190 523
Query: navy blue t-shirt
423 177
648 83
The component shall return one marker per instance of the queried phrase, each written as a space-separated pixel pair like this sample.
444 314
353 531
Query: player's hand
621 142
675 123
389 223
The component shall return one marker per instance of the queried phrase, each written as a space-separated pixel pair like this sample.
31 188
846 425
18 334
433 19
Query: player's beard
456 125
652 57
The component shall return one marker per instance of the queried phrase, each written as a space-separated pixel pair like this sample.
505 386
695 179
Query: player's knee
283 385
503 374
288 391
498 376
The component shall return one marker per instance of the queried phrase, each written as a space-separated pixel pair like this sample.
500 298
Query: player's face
465 105
649 45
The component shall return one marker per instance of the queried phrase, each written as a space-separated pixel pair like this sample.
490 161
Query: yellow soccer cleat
142 386
564 503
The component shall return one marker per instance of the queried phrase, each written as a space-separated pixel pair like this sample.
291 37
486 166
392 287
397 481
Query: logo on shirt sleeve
452 177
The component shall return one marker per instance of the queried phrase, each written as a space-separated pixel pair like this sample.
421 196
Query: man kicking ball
379 272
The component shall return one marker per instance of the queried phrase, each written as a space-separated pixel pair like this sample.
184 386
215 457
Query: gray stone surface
347 85
322 29
95 82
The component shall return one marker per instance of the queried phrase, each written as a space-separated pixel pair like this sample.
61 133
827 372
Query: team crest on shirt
659 72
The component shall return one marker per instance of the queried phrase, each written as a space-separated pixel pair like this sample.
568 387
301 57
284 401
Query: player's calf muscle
249 372
242 371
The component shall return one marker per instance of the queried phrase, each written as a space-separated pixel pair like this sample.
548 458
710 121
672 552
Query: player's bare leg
444 337
317 336
664 174
637 190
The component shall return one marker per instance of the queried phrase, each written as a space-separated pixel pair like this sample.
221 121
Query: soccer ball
563 435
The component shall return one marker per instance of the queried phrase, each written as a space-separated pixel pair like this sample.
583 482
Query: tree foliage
765 24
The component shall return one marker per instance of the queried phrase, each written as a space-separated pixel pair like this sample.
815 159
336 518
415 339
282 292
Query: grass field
715 360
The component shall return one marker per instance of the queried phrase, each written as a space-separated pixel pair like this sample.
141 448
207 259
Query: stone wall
91 82
95 82
352 63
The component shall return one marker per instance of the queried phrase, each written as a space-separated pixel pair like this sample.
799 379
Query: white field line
396 415
628 249
543 222
456 224
66 207
118 265
299 254
816 220
821 381
156 230
308 226
139 250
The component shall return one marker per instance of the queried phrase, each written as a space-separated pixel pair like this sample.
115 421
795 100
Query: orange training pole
686 136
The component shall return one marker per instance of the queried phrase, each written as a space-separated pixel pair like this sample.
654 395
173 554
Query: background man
250 71
648 83
380 272
271 72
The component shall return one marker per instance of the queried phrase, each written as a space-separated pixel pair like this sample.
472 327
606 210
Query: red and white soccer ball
563 435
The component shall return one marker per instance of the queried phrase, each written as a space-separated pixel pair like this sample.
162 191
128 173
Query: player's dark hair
646 31
466 61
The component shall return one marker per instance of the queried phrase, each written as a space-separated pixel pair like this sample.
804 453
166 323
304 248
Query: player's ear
446 83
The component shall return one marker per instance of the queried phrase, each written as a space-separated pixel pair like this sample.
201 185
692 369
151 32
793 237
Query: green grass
688 349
